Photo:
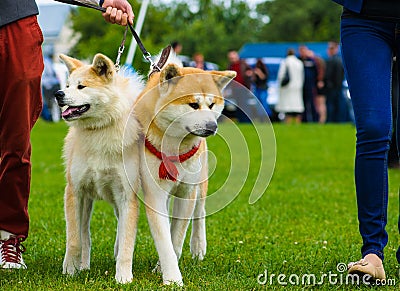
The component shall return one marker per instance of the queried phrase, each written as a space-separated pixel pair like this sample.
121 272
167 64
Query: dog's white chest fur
101 175
98 183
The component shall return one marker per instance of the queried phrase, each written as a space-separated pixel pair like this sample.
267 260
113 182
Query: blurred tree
300 20
210 27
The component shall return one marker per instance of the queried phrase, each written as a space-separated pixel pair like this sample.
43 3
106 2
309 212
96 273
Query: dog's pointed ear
169 72
167 76
103 66
223 78
71 63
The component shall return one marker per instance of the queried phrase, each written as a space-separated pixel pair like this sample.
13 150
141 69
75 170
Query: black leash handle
145 53
78 3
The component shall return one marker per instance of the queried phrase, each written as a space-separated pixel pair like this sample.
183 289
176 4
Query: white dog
96 104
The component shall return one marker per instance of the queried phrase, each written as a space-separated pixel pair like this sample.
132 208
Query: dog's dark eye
81 87
195 106
211 105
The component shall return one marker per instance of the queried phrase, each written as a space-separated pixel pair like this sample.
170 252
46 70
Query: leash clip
117 62
153 65
120 51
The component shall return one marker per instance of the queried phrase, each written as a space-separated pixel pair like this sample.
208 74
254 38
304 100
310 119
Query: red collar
167 169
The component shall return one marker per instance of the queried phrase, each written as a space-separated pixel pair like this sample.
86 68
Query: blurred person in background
336 101
50 84
239 90
243 70
260 81
310 84
198 62
177 48
291 95
320 98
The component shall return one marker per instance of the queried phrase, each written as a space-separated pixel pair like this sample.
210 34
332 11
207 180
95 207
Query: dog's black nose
60 97
211 126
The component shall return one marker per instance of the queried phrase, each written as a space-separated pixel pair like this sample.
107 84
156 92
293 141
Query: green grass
305 223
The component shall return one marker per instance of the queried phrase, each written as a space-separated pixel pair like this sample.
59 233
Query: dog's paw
157 268
123 273
124 278
198 249
70 268
173 281
85 266
171 276
199 256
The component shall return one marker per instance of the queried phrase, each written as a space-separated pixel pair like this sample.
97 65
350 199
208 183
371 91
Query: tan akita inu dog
96 104
177 110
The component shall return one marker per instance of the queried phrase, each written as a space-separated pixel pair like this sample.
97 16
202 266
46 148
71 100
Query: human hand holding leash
118 11
114 11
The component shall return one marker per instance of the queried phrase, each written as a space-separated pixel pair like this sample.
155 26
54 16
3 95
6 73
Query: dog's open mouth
72 112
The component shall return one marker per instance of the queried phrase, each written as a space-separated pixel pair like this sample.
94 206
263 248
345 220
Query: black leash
83 4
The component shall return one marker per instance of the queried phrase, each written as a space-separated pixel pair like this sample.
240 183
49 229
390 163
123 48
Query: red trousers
21 67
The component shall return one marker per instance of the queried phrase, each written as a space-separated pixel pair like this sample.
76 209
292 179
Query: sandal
363 267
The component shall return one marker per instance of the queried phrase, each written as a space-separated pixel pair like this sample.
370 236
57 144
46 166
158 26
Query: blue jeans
368 48
262 96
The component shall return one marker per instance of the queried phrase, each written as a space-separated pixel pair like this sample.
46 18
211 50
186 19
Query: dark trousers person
336 106
20 107
393 156
370 90
310 113
21 67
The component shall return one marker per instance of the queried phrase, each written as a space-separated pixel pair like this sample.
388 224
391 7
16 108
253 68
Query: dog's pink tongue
68 111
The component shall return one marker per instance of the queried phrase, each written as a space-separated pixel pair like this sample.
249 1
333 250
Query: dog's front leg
157 215
116 244
72 259
198 242
182 213
127 224
85 214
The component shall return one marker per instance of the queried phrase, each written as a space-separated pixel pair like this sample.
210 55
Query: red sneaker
11 253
